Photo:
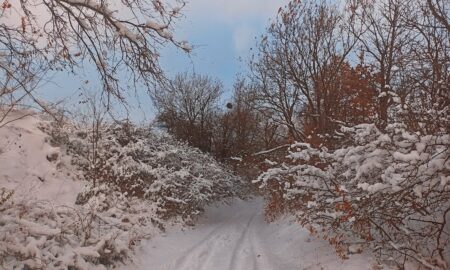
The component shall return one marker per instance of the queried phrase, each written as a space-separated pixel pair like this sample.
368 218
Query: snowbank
31 166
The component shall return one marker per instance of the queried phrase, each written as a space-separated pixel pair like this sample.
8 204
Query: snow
185 46
239 159
375 168
177 9
373 188
40 235
40 225
25 166
269 162
33 228
236 236
154 25
124 31
410 157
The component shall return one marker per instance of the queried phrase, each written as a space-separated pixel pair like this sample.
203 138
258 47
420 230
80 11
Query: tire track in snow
262 254
236 237
202 247
240 248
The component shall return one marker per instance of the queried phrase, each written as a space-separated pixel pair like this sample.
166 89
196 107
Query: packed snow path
235 237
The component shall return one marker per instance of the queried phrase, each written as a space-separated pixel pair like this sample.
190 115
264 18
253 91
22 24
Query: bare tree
440 10
118 37
307 40
20 77
188 106
242 130
427 76
387 42
391 106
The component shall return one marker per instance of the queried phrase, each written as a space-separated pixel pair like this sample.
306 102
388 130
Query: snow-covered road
235 237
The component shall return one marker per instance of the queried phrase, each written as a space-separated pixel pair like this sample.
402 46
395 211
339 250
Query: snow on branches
120 38
41 235
178 179
388 189
139 181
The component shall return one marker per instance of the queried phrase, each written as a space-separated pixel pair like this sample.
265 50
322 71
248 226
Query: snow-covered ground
235 237
40 225
30 166
232 237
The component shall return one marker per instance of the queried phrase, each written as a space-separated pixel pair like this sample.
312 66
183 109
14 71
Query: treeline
191 109
318 67
361 91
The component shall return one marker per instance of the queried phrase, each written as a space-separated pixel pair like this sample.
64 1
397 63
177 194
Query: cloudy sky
221 31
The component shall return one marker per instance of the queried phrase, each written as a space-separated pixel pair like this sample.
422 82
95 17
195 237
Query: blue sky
221 31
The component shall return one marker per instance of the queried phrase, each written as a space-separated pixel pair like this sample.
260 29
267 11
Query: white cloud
246 18
234 10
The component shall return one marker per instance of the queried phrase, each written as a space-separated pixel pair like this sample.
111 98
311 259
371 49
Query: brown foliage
349 100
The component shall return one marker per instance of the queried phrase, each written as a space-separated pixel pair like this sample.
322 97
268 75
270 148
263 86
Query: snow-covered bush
389 190
179 179
41 235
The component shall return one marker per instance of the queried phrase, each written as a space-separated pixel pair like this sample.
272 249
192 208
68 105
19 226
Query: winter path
235 237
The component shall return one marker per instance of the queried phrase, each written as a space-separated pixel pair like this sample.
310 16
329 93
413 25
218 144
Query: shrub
104 231
388 189
179 179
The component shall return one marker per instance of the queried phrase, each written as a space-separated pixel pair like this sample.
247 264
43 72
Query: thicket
369 168
137 161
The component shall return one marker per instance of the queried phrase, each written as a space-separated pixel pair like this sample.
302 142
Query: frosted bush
179 179
101 233
389 190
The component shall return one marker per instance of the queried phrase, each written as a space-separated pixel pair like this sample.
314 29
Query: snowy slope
237 237
40 225
30 166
